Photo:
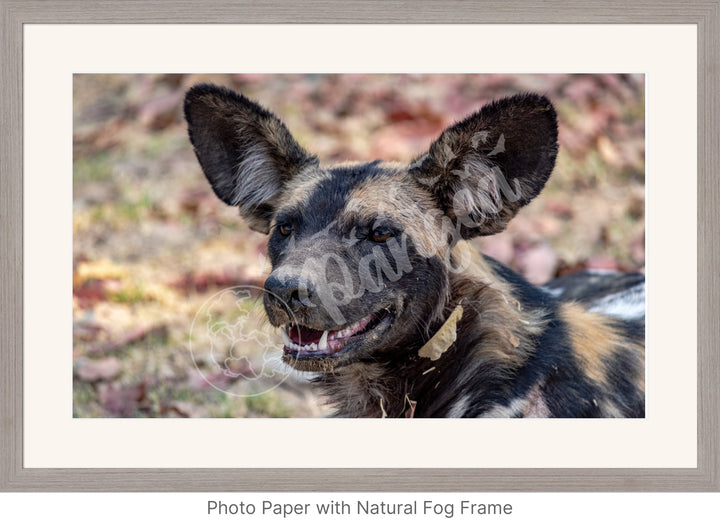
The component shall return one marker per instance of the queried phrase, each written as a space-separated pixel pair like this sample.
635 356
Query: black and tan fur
384 245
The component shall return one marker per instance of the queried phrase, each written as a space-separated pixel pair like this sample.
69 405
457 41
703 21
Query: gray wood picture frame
15 13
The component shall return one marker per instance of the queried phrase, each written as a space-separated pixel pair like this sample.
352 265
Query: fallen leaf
159 332
160 112
444 338
92 370
202 281
89 294
538 263
121 400
560 209
637 250
608 151
602 262
184 409
499 247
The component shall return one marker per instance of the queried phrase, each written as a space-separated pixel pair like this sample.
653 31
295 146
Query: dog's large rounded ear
246 153
483 169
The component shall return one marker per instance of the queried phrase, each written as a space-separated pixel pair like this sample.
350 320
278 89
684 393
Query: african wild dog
375 288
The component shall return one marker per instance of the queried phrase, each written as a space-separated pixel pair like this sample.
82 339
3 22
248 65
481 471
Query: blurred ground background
157 333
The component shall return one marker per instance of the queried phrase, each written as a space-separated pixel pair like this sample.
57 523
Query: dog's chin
319 350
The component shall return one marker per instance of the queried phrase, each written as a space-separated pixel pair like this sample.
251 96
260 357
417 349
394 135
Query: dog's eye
380 235
285 229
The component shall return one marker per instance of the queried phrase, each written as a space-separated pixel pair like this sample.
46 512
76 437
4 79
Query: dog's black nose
293 291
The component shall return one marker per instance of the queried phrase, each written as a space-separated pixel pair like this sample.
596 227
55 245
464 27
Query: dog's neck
495 328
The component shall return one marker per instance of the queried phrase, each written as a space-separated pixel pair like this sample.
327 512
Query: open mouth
302 342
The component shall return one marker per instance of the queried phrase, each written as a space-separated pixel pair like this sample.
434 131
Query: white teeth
323 344
350 330
286 338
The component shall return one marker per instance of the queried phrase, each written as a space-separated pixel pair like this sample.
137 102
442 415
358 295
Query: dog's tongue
302 335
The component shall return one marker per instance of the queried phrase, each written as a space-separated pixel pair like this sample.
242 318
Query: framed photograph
135 335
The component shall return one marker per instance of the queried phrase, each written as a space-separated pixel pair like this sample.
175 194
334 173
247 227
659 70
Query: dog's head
361 253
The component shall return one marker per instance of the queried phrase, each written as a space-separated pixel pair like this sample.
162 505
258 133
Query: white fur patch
555 292
459 409
256 180
516 407
625 305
